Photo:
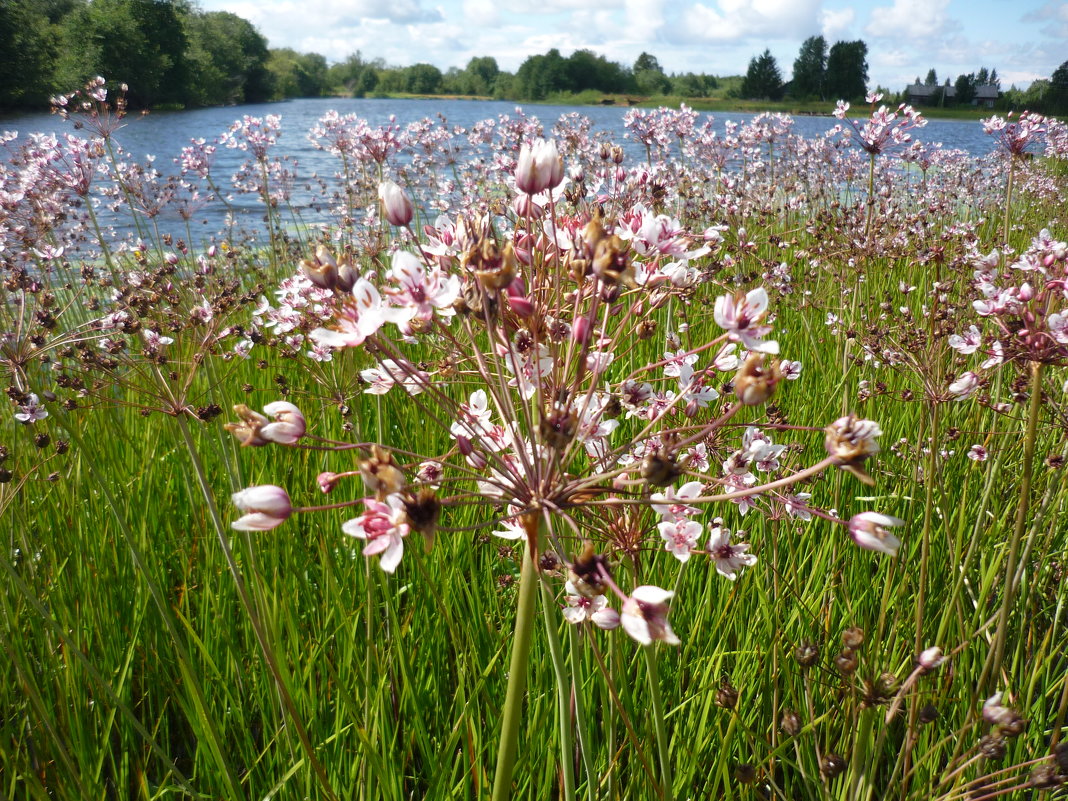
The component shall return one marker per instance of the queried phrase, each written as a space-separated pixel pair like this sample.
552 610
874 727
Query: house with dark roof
924 94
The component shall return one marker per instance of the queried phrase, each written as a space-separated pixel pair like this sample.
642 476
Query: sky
1022 39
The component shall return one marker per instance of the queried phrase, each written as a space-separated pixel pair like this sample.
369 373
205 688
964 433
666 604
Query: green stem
662 745
517 676
993 666
258 627
580 714
550 614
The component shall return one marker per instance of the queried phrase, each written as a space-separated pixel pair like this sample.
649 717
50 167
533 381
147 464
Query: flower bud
869 531
931 658
539 167
396 207
289 425
265 506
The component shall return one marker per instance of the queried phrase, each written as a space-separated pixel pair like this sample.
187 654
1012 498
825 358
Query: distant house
924 94
986 96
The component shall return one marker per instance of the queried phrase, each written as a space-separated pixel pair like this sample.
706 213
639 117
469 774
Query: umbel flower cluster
583 402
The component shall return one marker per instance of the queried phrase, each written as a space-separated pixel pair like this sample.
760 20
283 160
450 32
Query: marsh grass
130 668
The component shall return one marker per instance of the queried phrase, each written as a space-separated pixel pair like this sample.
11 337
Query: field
734 473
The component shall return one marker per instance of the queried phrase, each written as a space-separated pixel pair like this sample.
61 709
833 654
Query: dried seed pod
928 714
807 654
726 695
790 723
832 765
660 469
992 746
745 773
587 572
756 380
853 637
1044 777
847 662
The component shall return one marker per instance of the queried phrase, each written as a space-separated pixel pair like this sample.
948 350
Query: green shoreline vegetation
172 55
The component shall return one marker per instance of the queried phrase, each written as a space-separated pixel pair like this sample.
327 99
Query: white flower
729 558
869 530
965 386
31 411
644 615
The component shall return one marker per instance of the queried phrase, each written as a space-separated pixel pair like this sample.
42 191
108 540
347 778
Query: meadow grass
140 662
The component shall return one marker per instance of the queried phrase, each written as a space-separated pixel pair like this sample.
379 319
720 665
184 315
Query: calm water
163 134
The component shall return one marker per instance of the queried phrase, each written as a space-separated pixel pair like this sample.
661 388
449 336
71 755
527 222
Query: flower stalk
511 715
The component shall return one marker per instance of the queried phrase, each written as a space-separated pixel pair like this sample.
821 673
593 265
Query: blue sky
1022 39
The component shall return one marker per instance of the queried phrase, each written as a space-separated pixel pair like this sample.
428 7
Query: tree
138 42
693 85
649 77
228 60
982 78
932 78
847 71
646 62
1057 92
422 79
353 75
27 54
810 69
540 76
965 87
481 75
763 80
994 80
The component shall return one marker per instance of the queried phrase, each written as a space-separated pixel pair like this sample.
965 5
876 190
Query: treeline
538 77
172 54
820 73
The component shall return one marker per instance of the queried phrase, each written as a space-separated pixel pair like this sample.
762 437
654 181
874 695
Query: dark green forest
171 54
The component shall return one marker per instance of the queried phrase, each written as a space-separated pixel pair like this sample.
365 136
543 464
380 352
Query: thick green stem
993 666
517 677
662 745
551 614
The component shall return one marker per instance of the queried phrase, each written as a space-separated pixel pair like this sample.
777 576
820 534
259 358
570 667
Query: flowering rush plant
574 412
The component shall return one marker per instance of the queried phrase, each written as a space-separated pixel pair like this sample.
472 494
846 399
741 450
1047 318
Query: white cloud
1055 15
911 19
835 25
731 20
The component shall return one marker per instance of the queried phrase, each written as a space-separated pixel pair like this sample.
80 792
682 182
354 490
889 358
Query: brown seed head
381 474
756 380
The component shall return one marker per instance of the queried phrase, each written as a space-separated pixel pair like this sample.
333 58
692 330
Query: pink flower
31 411
977 453
265 506
289 425
539 167
741 317
361 316
965 386
644 615
680 537
869 530
396 207
384 526
579 609
729 558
